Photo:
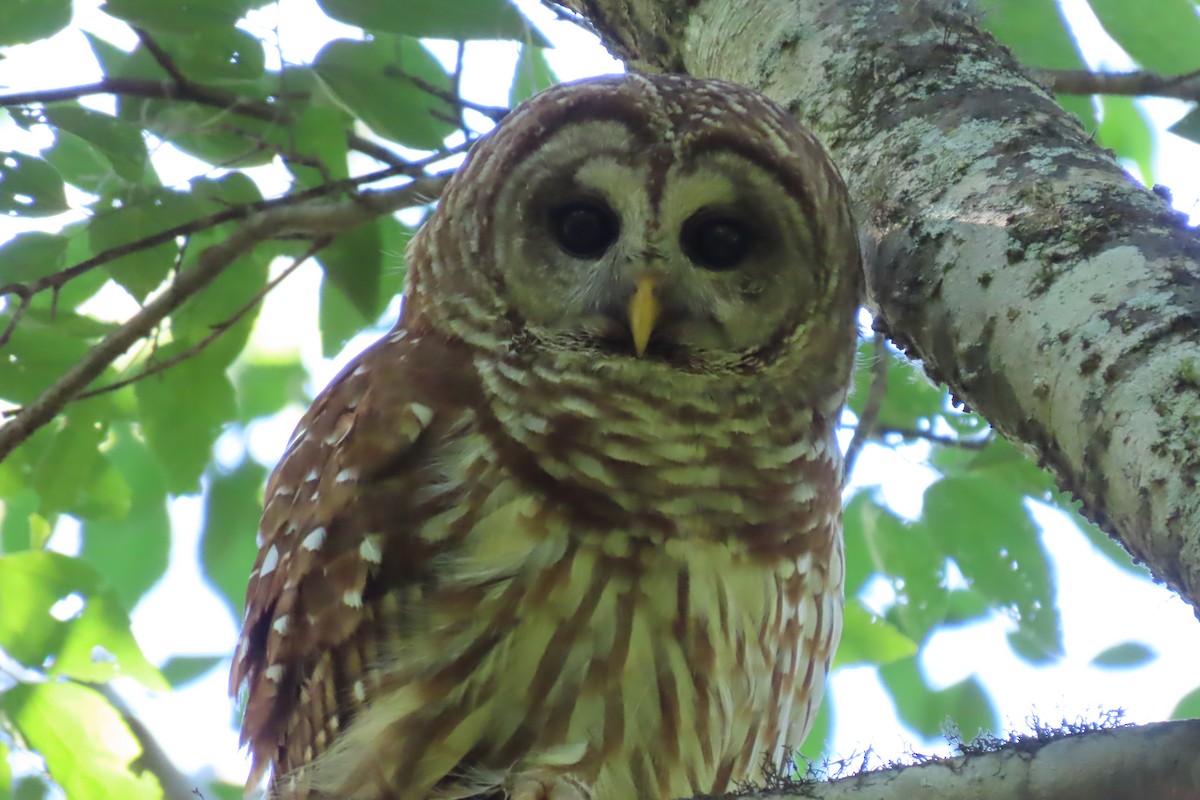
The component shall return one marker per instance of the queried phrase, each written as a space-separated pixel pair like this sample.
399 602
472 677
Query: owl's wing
339 537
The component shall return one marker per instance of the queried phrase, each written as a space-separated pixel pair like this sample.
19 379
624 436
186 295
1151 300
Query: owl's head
651 218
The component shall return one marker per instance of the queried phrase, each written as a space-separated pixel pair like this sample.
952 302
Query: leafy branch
314 219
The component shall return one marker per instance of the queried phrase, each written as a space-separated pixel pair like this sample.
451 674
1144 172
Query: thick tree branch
1013 255
1133 84
1151 761
312 219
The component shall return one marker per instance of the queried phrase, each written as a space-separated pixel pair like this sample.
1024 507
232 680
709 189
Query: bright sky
1101 605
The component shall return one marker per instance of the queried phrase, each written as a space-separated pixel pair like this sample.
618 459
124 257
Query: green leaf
436 19
927 711
94 645
19 520
80 165
1038 35
181 670
531 75
5 773
266 387
988 533
32 787
1166 41
910 397
1188 126
1126 130
30 187
317 152
74 476
227 791
226 59
353 262
199 18
183 410
867 639
134 219
1188 706
31 255
88 748
1126 655
878 542
1001 463
28 20
340 321
213 308
132 553
232 508
42 349
120 143
372 80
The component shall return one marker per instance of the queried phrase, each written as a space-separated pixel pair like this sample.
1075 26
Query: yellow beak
644 308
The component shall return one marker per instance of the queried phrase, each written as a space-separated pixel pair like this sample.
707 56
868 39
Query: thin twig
193 93
977 443
218 329
26 297
870 414
57 279
313 219
1133 84
494 113
162 58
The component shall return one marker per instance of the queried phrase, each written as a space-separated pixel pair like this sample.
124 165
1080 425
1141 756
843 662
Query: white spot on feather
269 562
422 412
346 475
274 673
370 549
352 598
315 539
312 475
280 625
360 692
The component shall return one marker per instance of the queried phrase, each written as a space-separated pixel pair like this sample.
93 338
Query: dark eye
715 240
584 228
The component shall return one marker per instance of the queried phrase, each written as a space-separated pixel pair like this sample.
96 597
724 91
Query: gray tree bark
1008 252
1152 762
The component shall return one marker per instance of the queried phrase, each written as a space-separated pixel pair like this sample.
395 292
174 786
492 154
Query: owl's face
636 249
656 218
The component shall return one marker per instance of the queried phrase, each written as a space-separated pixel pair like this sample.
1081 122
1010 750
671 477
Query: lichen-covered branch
1011 253
1150 761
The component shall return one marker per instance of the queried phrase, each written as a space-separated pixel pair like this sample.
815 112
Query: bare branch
1133 84
310 219
1156 760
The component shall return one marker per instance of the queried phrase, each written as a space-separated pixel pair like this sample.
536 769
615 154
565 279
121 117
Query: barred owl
572 529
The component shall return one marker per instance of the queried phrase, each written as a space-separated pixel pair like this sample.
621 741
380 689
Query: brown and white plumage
572 530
